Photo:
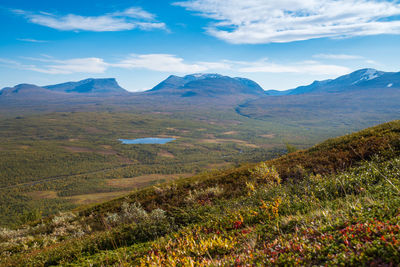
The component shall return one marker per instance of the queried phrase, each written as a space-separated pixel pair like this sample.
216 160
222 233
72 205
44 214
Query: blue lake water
150 140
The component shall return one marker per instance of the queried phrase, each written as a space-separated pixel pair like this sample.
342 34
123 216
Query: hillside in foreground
336 203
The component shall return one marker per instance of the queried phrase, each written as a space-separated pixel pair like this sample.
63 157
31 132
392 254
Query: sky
280 44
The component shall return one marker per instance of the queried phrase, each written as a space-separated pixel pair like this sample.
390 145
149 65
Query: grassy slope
342 208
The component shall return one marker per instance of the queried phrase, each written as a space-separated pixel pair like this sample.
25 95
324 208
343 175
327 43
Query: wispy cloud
304 67
262 21
131 18
171 64
76 65
338 56
31 40
16 64
165 63
54 66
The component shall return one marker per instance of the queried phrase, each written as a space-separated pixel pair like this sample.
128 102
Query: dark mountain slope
206 85
364 79
89 86
26 91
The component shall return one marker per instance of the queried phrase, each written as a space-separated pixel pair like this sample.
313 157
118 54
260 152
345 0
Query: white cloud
267 21
171 64
305 67
128 19
53 66
338 56
154 62
31 40
15 64
223 65
161 62
370 61
76 65
135 12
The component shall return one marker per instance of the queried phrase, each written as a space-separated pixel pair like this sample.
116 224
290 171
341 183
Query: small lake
150 140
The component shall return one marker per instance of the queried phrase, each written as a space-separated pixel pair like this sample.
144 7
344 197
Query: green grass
344 214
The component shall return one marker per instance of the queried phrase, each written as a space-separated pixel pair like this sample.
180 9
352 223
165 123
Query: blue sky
279 44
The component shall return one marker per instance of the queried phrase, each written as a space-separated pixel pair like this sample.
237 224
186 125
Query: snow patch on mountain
205 75
198 75
368 75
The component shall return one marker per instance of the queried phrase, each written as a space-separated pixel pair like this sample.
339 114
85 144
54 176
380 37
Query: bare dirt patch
268 135
168 136
230 133
124 159
43 194
210 141
144 180
166 154
94 130
270 146
96 197
177 130
136 131
76 149
210 136
187 145
107 152
220 140
250 145
161 112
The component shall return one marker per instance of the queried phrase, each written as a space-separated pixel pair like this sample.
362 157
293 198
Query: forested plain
51 162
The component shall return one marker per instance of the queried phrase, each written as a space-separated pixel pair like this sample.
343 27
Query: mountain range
359 80
87 86
364 95
211 85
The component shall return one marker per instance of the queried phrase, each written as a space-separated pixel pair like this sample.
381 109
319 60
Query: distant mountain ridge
206 85
87 86
107 85
28 90
358 80
363 95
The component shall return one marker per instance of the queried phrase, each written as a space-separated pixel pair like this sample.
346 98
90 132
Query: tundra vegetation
336 203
